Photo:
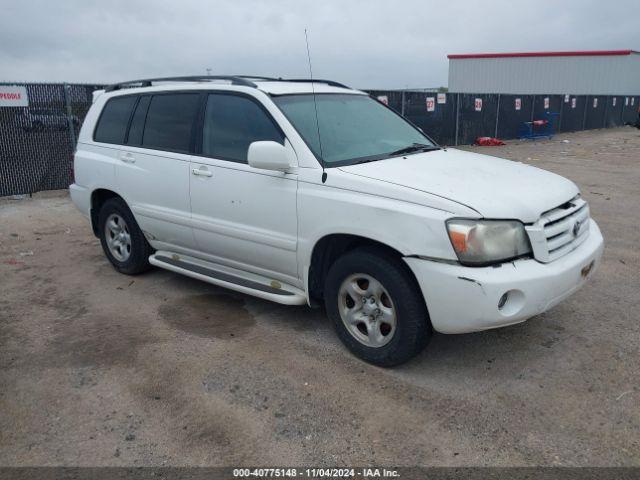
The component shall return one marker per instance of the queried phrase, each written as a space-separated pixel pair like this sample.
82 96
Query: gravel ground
98 368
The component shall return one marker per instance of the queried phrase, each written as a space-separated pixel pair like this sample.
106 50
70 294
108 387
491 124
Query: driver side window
232 123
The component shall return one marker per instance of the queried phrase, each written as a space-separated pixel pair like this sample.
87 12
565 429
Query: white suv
311 192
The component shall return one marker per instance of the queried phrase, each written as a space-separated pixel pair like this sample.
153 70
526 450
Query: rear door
153 172
242 217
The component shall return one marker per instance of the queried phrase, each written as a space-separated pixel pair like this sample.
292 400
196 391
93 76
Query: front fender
407 227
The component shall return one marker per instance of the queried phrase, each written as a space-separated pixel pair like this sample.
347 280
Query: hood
494 187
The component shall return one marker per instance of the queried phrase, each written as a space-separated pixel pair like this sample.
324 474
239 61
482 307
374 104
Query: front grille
559 230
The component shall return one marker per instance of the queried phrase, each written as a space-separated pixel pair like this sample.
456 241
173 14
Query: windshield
353 128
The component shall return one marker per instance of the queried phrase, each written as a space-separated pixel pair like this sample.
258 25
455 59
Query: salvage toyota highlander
300 191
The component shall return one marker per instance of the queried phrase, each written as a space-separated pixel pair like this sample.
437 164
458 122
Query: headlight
479 242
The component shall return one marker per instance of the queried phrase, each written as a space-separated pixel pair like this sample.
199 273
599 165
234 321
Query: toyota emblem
576 228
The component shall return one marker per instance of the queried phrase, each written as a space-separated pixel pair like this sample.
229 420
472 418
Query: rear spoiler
96 94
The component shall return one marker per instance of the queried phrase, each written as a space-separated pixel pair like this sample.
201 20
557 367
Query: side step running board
232 279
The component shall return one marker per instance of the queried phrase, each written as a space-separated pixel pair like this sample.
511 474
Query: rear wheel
376 307
122 240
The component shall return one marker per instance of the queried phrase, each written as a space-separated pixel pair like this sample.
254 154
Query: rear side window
170 121
112 125
232 123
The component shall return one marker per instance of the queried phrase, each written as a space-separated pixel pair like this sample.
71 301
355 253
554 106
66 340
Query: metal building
602 72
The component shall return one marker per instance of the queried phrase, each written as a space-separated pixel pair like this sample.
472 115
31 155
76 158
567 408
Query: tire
357 272
129 254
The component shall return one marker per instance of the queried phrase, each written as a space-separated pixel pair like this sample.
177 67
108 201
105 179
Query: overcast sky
366 44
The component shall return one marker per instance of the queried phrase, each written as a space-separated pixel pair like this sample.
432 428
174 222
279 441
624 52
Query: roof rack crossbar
147 82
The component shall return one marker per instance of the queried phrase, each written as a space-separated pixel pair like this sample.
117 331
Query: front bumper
465 299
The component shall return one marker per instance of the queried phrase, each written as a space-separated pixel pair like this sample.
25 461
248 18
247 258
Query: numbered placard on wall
431 104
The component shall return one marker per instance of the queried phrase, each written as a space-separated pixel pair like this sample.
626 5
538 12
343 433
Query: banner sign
442 98
13 96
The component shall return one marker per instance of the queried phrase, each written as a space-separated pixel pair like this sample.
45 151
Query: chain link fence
37 141
459 118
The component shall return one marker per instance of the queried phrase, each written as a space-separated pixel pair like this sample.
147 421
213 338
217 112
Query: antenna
315 106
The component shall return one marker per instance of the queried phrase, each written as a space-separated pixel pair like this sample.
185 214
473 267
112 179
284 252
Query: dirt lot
97 368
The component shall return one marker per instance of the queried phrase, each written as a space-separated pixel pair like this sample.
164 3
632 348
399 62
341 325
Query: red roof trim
584 53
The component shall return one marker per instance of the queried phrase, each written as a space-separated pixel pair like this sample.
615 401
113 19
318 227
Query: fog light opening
511 302
503 300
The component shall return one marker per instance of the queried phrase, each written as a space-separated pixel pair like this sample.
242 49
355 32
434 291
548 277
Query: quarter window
232 123
137 121
170 121
114 119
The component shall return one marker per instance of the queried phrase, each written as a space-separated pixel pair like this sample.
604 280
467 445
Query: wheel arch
98 197
331 247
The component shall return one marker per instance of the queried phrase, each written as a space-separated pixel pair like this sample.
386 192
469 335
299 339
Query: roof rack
148 82
243 80
296 80
331 83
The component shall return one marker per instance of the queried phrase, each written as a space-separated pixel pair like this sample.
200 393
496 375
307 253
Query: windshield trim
355 160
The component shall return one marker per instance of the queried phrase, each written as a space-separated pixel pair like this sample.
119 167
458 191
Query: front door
241 216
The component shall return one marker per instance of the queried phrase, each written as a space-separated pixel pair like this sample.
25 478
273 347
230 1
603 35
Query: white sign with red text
384 99
518 103
478 104
431 104
12 96
546 103
442 98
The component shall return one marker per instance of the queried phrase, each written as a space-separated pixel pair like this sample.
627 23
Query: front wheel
376 307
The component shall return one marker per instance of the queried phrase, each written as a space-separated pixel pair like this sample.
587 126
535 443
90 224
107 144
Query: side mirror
269 155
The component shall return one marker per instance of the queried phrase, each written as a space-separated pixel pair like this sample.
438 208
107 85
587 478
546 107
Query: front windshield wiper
416 147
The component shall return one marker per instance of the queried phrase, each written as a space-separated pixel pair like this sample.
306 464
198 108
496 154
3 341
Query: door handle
203 172
127 157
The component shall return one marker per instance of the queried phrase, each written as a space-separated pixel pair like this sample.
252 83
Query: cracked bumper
464 299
